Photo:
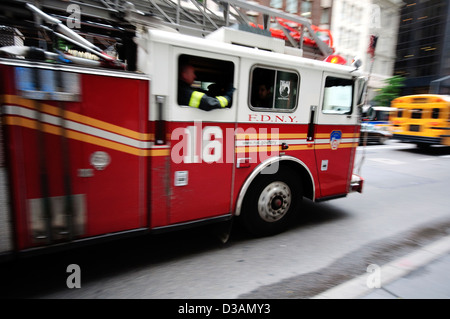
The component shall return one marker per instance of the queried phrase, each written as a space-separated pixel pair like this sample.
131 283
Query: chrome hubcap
274 201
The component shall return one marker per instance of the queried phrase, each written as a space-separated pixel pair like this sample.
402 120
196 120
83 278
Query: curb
358 287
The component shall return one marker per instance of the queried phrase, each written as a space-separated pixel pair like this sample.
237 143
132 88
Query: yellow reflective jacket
200 100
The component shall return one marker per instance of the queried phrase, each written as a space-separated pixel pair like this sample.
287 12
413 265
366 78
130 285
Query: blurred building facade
423 50
353 24
318 11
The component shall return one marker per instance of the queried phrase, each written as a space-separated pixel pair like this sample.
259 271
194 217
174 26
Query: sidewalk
423 274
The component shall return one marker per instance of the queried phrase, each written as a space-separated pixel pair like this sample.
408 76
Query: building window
292 6
306 8
325 17
277 4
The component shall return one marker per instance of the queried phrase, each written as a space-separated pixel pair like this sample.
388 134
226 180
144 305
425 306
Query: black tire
423 146
270 203
382 140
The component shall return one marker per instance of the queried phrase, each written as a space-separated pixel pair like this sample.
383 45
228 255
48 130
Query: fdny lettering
270 118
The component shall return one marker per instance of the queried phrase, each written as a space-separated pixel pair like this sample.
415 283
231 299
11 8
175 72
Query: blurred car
375 125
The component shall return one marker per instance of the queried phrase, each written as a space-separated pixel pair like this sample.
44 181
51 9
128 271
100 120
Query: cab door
336 133
202 142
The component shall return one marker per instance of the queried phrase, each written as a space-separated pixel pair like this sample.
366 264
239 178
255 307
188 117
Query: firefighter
198 99
264 96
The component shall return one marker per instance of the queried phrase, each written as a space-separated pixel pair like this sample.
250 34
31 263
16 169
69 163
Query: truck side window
338 96
273 90
205 83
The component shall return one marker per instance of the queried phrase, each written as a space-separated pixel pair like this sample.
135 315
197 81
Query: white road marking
386 161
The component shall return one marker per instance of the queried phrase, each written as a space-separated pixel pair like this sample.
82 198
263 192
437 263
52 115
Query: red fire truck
103 147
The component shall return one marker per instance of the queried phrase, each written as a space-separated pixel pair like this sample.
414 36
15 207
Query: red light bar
336 59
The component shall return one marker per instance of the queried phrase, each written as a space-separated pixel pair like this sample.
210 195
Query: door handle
312 115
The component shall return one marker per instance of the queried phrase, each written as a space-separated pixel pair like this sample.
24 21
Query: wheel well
290 163
303 174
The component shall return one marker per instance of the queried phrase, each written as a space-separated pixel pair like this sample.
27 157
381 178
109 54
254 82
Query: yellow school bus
422 119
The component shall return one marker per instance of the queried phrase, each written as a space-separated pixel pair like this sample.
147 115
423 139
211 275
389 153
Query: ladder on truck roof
185 16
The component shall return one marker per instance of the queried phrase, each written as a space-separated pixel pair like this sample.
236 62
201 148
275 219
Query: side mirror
361 90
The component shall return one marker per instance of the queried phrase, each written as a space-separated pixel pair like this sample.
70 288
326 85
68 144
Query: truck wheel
270 203
382 140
